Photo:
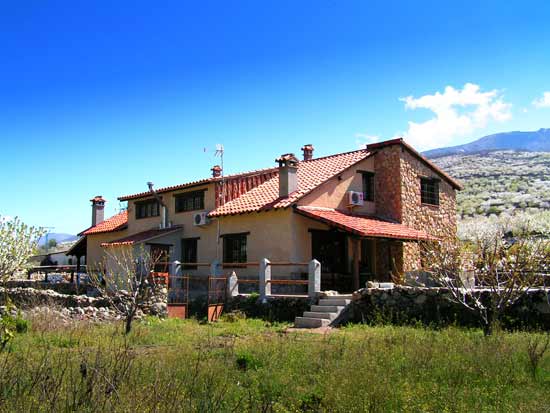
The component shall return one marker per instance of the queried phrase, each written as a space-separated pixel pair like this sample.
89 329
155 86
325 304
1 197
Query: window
429 191
147 209
234 248
190 201
368 186
189 252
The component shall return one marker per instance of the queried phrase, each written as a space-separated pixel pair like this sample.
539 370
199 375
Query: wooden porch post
356 254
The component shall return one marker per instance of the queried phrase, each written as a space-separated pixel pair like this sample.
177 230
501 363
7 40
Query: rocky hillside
501 184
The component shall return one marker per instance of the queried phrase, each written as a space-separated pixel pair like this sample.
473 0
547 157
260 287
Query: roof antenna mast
219 152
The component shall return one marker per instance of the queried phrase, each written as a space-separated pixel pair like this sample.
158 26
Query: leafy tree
18 242
52 243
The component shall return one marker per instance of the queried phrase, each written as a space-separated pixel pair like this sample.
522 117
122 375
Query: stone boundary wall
28 298
61 287
406 305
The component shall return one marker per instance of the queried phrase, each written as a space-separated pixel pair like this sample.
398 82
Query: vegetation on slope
249 366
503 184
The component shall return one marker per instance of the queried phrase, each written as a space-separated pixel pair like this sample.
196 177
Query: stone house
361 214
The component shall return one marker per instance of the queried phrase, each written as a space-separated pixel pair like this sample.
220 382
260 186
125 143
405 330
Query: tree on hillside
18 242
52 243
125 280
491 273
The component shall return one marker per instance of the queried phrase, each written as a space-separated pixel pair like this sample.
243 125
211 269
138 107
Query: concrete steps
306 322
334 301
327 308
322 314
315 314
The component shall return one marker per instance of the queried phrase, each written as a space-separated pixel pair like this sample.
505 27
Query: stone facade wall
397 196
436 220
387 191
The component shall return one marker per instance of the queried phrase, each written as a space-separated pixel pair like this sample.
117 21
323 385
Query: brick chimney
308 151
98 210
288 174
216 171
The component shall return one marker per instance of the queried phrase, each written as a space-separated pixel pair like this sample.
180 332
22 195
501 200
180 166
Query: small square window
234 248
429 191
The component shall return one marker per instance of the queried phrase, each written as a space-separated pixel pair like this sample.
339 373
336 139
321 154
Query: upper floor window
190 201
234 248
368 186
429 191
147 209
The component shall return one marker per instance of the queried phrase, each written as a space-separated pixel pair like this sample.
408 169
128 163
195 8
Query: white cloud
363 139
543 102
458 113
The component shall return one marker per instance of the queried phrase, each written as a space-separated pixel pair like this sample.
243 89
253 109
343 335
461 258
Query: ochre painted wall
282 235
332 194
94 252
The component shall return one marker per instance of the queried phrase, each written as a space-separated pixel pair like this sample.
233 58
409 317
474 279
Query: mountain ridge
529 141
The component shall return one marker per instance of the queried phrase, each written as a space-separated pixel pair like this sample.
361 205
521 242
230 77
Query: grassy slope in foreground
248 366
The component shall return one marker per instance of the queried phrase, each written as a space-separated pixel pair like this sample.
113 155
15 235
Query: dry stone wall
409 305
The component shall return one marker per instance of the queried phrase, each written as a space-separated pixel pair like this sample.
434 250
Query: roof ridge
334 154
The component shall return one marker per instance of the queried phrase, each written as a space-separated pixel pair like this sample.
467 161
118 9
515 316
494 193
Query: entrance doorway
330 249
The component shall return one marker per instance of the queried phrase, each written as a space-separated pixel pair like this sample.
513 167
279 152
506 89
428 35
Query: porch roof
143 236
365 226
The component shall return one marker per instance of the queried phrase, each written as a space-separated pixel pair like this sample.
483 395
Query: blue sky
97 98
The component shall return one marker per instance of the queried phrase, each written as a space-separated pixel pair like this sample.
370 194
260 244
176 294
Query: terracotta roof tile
311 174
196 183
366 226
114 223
141 236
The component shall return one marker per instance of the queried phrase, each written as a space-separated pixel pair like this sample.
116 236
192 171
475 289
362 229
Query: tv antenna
219 152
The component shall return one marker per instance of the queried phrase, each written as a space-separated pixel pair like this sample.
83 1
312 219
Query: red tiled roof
365 226
114 223
196 183
141 236
311 174
399 141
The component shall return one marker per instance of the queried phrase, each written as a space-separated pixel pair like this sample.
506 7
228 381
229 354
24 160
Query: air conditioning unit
200 218
355 198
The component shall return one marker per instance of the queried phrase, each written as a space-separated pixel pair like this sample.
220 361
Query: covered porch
354 249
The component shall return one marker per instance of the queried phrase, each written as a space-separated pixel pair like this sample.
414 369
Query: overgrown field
242 365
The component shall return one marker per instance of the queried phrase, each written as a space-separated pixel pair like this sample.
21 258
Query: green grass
253 366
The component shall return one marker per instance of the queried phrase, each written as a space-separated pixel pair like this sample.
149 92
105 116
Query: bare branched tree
125 280
490 274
